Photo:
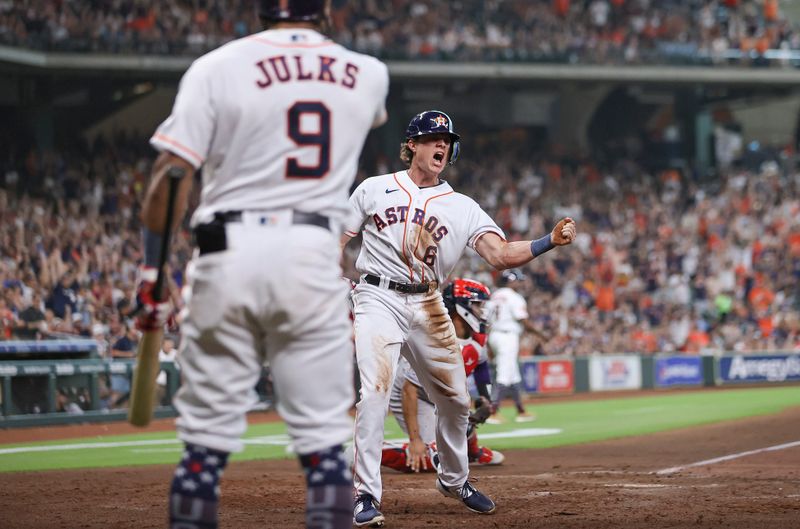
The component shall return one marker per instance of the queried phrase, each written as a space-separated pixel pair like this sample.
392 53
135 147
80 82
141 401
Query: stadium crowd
573 31
662 262
70 243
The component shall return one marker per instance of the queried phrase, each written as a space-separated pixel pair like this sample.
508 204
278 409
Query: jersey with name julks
277 120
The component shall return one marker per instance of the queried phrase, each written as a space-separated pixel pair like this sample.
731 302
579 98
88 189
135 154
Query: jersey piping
405 229
262 40
481 234
181 147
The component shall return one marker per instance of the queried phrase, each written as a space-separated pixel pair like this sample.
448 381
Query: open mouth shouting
439 157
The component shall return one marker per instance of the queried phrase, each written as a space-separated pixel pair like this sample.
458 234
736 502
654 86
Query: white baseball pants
274 295
505 347
384 321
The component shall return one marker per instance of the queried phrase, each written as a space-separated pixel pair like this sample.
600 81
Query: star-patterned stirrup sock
329 499
194 495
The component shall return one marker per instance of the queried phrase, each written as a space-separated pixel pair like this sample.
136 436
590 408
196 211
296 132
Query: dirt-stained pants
384 321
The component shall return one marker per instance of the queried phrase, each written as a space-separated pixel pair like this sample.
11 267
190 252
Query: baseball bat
143 389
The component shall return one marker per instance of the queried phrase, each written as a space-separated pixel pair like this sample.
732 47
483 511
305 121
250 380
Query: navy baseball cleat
366 513
471 497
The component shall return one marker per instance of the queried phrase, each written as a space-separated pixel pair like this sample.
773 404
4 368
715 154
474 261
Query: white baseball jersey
506 308
413 234
277 120
259 153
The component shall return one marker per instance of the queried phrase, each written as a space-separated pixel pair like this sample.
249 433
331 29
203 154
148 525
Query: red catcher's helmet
293 10
468 298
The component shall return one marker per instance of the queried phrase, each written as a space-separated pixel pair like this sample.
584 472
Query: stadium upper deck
746 32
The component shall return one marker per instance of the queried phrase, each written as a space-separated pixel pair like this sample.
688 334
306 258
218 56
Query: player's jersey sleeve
381 115
480 223
188 130
358 209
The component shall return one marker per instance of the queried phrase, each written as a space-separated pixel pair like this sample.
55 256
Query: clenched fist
564 232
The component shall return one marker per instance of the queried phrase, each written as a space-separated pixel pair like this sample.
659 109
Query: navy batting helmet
435 122
292 10
510 276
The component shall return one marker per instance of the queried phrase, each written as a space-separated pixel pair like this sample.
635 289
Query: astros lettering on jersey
415 234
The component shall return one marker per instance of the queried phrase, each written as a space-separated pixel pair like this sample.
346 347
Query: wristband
539 246
152 247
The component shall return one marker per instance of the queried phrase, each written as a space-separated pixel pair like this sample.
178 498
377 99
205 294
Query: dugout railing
40 392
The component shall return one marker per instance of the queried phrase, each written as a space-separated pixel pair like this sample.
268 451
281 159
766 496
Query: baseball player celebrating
411 406
509 317
278 121
415 228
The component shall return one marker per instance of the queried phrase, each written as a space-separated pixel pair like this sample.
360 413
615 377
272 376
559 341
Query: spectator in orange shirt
761 296
771 10
643 340
766 325
762 44
794 243
561 7
605 298
697 341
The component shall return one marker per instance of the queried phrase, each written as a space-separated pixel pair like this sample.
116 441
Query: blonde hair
406 154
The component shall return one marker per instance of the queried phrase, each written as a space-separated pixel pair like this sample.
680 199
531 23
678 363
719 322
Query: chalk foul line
276 440
674 470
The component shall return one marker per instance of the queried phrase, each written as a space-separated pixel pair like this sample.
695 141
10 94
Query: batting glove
151 315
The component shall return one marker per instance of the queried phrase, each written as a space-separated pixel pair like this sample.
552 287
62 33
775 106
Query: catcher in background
416 414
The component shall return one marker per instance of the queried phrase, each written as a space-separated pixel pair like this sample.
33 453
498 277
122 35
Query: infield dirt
608 484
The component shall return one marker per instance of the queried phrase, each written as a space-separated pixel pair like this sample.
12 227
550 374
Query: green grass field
557 423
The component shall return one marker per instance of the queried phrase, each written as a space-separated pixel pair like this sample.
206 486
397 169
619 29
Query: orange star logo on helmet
440 121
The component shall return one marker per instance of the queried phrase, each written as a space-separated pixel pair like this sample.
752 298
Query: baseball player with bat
152 312
414 229
277 120
413 409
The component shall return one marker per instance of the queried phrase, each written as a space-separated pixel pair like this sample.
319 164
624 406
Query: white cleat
525 417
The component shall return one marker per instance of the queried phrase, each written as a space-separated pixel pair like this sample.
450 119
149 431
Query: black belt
298 217
403 288
210 237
